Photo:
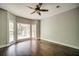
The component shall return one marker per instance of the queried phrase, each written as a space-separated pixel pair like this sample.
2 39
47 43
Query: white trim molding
6 45
72 46
2 46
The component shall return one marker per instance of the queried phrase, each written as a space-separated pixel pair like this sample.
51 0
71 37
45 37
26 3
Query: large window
23 30
11 31
34 31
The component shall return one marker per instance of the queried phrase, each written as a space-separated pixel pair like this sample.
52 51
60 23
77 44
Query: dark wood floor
38 48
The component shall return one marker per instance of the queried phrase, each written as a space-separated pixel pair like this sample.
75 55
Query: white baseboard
72 46
1 46
6 45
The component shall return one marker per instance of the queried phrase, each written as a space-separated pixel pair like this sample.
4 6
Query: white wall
3 27
62 28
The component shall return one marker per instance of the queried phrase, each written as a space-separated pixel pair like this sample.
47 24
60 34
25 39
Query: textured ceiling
20 9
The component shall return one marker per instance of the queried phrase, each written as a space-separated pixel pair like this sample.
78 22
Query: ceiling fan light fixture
38 9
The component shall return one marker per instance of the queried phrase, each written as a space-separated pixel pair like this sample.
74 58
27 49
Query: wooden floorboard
38 48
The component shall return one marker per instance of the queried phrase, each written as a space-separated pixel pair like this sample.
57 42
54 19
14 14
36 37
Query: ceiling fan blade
40 4
33 12
39 13
30 7
43 10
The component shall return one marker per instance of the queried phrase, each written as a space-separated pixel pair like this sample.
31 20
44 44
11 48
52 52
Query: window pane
11 31
23 31
33 30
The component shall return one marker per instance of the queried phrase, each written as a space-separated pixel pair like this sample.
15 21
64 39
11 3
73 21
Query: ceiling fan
38 9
